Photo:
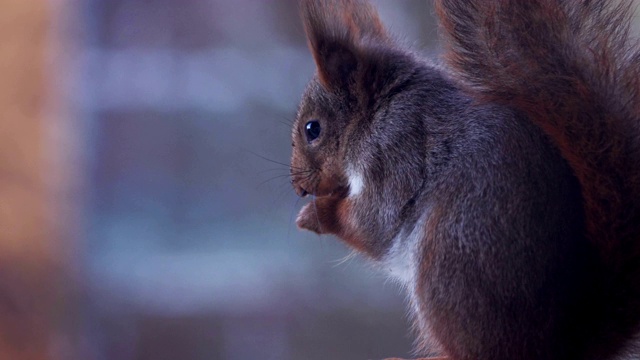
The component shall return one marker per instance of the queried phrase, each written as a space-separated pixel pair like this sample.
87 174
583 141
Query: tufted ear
336 32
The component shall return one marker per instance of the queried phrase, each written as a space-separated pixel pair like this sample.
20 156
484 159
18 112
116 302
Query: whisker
286 123
317 216
270 170
285 189
271 179
274 161
305 172
352 255
287 120
307 175
293 211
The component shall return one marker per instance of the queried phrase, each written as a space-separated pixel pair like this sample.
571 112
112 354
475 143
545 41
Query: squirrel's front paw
308 218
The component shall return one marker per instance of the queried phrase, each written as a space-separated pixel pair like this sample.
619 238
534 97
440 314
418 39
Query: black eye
312 130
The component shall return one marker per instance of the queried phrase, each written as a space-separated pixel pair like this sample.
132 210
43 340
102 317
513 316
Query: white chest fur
403 264
402 259
356 181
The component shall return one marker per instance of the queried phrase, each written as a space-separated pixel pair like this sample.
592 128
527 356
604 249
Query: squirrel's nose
302 192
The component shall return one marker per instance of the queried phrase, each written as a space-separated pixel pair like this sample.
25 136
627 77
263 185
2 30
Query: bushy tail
574 69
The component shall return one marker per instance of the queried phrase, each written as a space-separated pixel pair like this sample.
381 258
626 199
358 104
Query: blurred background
145 208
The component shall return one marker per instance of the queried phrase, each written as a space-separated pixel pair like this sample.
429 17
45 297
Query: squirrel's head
355 64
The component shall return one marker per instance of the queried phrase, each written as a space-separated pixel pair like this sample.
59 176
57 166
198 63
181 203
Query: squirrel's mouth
340 191
301 191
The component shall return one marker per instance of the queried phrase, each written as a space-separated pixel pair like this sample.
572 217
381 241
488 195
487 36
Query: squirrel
499 184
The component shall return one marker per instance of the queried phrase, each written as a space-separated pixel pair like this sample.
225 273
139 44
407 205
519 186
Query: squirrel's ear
336 31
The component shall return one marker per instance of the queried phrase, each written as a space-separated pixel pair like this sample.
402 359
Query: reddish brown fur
567 108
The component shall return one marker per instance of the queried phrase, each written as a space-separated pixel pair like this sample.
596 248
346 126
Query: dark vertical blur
188 249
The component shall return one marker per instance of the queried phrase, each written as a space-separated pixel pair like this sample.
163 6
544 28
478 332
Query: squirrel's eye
312 130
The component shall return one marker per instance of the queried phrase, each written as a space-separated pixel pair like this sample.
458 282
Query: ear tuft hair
336 31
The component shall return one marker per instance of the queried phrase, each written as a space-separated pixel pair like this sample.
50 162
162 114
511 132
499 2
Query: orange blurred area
35 292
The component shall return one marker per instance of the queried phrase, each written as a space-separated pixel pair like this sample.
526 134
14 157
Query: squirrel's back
573 68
